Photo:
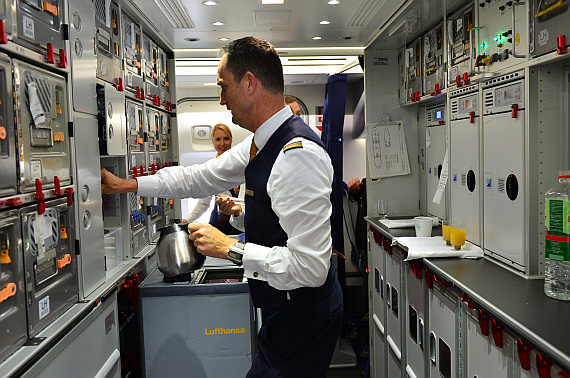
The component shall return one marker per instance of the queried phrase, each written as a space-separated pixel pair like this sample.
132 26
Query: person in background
288 175
222 141
294 104
355 192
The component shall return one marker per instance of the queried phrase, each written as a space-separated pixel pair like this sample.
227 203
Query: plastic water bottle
557 239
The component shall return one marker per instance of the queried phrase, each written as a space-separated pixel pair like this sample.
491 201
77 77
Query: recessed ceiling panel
272 18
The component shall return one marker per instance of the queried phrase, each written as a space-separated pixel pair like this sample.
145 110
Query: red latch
465 78
57 187
498 334
417 95
50 58
120 85
429 279
471 117
157 166
142 93
413 97
69 192
40 199
442 122
470 304
524 354
155 100
14 201
464 297
168 105
3 38
442 283
543 366
483 322
135 173
560 45
514 109
139 93
563 374
367 270
141 171
458 81
153 169
62 62
437 91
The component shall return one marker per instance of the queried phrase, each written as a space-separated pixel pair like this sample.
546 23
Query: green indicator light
483 45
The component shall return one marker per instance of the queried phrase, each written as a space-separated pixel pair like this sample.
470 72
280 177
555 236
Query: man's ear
250 82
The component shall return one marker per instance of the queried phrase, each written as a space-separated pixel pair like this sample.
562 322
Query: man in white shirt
288 176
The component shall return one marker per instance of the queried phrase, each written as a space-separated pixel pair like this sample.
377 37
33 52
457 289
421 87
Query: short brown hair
259 57
224 128
290 99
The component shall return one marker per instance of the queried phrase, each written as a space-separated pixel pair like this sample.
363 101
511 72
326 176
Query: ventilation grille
488 99
365 12
132 117
175 13
44 91
454 107
50 217
429 45
128 33
102 11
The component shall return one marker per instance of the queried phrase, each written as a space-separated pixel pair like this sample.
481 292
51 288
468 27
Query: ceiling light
209 2
324 22
266 2
316 38
224 39
217 23
333 2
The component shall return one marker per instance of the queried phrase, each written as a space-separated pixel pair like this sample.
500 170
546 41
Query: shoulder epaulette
293 145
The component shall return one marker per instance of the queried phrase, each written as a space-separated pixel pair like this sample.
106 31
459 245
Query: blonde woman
222 141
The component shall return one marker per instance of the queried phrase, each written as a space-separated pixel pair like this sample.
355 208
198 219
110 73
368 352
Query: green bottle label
557 223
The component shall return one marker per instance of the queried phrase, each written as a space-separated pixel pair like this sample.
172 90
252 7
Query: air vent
44 91
175 13
102 12
429 117
454 107
271 18
488 99
365 12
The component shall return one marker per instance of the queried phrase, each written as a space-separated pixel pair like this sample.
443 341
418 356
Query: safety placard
387 150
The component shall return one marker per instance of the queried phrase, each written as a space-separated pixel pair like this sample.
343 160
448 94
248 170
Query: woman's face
221 141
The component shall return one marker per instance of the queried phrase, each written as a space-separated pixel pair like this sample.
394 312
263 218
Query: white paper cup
423 226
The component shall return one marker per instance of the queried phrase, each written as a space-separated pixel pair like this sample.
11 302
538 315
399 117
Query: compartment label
43 306
28 27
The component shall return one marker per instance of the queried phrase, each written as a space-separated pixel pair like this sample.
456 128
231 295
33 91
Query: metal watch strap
235 254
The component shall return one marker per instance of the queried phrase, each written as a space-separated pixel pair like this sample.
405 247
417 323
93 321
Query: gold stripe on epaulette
293 145
249 192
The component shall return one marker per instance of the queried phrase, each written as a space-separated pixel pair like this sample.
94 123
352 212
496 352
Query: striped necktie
252 150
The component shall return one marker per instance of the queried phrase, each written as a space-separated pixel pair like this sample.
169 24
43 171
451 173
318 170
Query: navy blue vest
262 224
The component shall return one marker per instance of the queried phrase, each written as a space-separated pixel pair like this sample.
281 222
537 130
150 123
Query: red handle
50 57
57 187
524 354
483 322
40 199
69 192
498 334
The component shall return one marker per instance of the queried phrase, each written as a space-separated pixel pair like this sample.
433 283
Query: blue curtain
333 123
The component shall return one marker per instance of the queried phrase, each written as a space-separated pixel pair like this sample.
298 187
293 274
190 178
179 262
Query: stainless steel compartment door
89 205
9 182
504 222
12 290
416 308
115 121
484 358
82 55
394 313
435 152
442 348
465 176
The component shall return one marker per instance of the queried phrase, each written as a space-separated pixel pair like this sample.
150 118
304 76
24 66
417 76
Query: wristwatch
235 254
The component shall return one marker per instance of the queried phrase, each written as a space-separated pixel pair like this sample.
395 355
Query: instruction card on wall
387 150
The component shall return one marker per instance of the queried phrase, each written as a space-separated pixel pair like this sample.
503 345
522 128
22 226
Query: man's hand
354 186
209 240
228 206
111 184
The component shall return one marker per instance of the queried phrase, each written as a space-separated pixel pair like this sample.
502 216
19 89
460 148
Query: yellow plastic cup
457 237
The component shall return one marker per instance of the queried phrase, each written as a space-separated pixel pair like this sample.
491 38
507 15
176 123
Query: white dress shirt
299 185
